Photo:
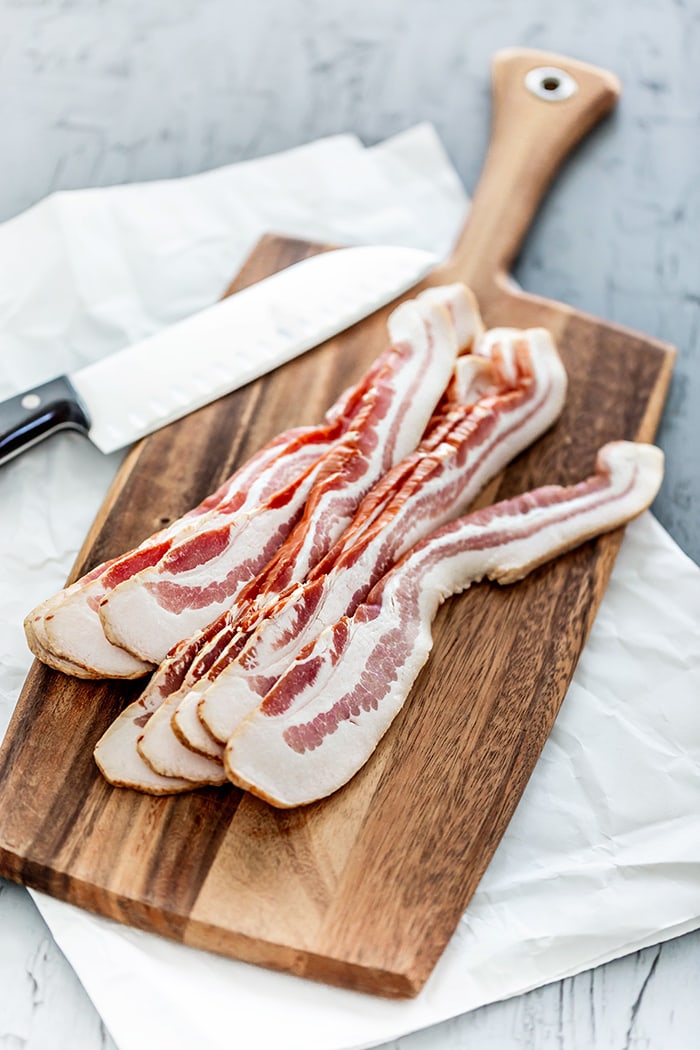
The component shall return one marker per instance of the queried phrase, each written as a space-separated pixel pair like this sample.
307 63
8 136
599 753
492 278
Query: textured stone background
93 93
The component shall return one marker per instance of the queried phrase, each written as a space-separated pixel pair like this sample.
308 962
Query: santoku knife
141 388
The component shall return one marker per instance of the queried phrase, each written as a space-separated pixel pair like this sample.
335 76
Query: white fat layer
461 304
474 378
273 646
50 659
35 629
259 757
74 632
132 617
190 730
430 331
120 762
504 339
166 755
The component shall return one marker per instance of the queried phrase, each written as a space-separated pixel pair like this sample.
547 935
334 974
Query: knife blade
132 392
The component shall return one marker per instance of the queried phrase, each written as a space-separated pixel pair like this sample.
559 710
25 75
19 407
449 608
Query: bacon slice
473 378
168 748
118 759
65 630
202 576
167 752
118 753
324 717
433 486
156 742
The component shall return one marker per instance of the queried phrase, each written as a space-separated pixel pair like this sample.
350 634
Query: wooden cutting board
363 889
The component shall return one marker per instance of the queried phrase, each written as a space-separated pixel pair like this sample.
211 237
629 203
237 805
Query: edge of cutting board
317 909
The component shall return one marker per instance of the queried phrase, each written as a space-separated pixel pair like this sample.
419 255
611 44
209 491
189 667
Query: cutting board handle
542 105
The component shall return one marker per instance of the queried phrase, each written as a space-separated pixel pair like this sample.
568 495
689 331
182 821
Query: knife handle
543 104
37 413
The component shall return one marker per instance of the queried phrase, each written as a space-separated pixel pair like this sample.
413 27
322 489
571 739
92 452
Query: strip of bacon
67 625
325 716
165 699
199 578
65 630
118 752
473 379
168 747
440 485
272 468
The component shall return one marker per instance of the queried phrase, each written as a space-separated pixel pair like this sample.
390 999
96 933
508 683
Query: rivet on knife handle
37 413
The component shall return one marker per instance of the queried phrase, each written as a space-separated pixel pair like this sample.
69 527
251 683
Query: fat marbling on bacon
199 578
117 752
65 630
432 486
511 394
322 720
140 749
333 500
174 730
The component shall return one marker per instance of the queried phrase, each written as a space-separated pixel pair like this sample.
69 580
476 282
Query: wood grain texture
365 888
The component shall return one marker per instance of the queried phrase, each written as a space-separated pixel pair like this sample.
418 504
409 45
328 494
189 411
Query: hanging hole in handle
550 83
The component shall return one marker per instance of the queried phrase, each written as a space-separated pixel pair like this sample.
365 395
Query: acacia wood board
365 888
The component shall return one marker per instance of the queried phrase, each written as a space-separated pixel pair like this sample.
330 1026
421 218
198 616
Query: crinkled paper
603 853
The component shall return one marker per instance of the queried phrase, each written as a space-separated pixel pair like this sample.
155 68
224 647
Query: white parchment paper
603 853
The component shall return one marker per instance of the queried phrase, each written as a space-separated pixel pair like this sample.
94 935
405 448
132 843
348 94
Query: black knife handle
37 413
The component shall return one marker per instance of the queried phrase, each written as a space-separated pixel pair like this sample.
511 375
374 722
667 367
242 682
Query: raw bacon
475 377
156 743
118 752
431 487
168 747
65 630
202 576
324 717
68 624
